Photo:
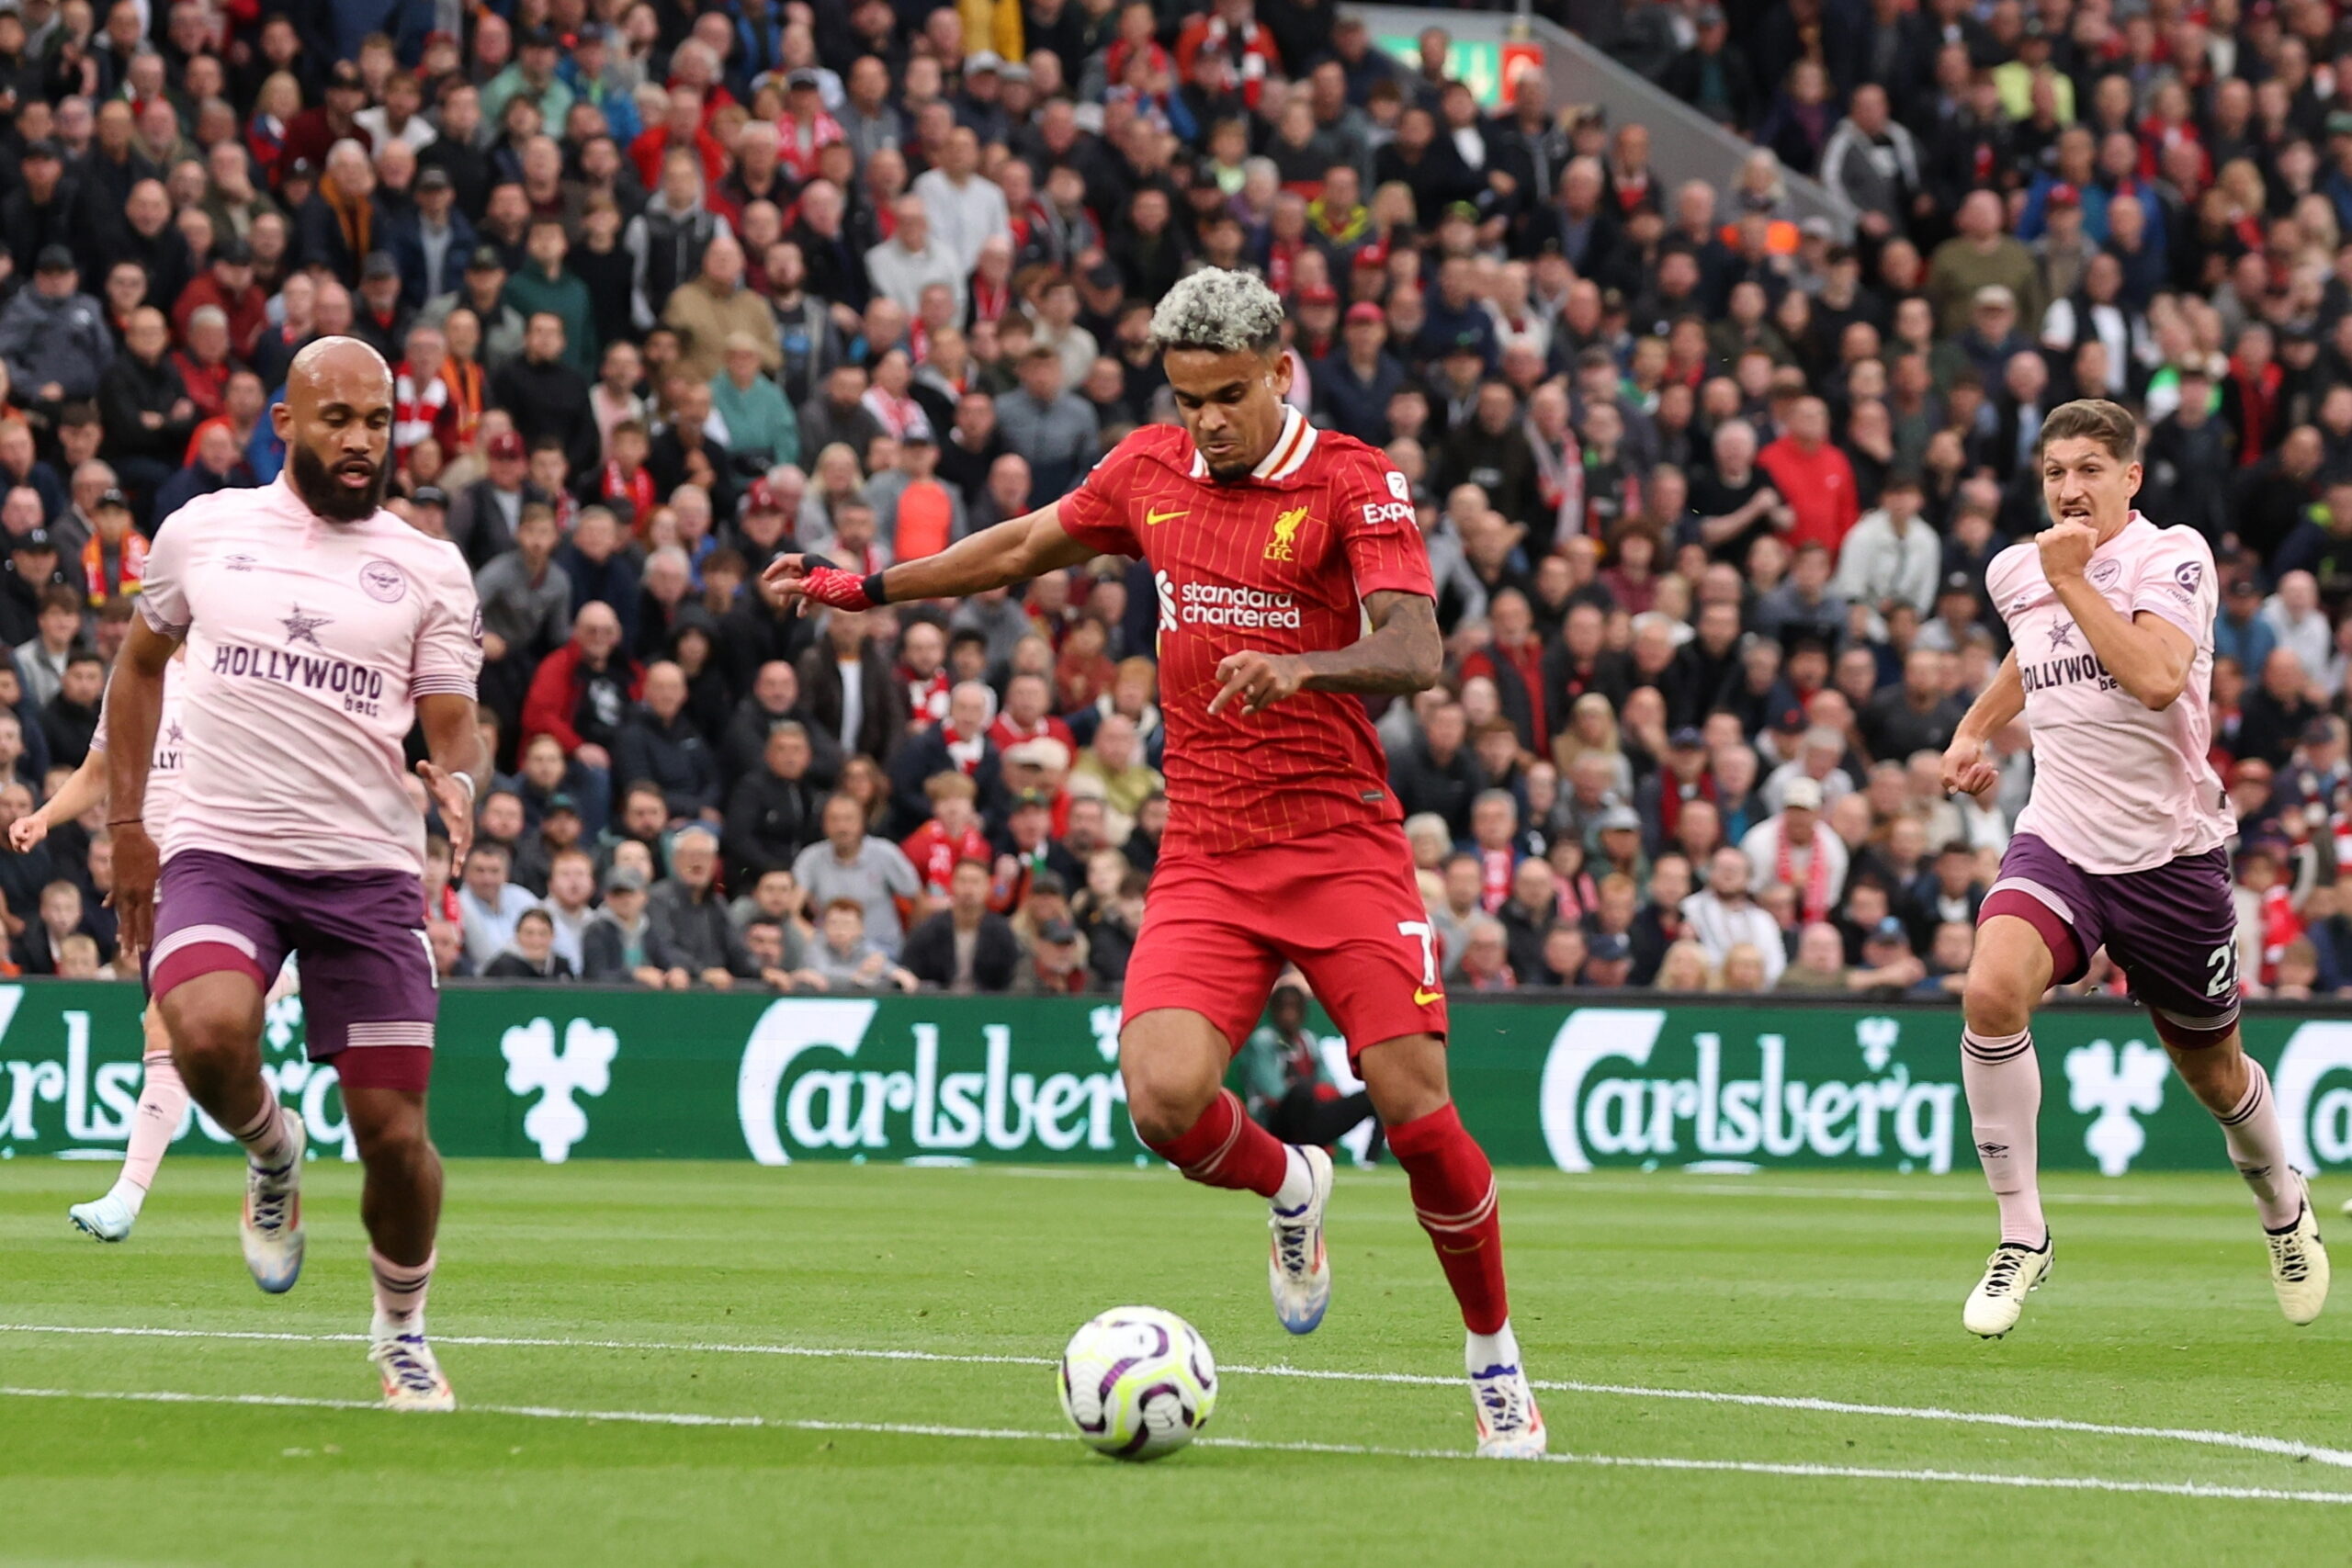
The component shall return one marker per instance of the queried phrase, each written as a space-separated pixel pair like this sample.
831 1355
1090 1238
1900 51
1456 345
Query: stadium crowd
1709 493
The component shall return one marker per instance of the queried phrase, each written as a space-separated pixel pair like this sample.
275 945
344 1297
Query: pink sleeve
163 595
447 660
2177 584
1375 508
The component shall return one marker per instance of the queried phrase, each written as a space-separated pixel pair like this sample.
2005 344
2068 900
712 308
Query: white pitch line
2249 1442
2192 1489
1655 1188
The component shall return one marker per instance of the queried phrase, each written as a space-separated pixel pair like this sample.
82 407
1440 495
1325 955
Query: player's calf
1173 1062
400 1198
2236 1090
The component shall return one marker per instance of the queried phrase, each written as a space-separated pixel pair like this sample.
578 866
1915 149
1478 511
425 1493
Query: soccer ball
1137 1383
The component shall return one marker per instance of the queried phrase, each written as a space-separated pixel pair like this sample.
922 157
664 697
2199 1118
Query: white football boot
1298 1270
413 1379
1509 1427
107 1219
2299 1270
273 1219
2012 1273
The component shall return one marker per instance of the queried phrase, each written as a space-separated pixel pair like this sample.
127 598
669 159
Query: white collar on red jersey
1289 455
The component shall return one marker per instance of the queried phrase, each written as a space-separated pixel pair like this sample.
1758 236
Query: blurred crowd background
1709 491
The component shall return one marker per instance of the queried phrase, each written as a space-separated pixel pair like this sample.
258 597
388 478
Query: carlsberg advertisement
556 1074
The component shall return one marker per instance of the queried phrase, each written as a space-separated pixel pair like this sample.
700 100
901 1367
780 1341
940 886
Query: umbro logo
240 562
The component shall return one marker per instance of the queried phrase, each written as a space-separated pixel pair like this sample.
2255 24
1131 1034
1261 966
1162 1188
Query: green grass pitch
601 1295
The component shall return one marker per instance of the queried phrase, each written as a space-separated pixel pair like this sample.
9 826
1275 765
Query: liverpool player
2121 843
319 628
1273 546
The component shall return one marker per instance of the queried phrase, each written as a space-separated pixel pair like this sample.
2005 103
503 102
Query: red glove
828 584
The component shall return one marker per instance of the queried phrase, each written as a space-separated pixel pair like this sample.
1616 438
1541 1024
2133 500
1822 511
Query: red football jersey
1279 562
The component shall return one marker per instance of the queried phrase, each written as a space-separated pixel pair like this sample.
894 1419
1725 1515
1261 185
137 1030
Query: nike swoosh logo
1154 519
1422 999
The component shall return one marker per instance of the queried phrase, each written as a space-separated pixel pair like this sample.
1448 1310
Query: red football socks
1224 1148
1453 1197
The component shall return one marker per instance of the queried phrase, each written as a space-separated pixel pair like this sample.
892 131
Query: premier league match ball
1137 1383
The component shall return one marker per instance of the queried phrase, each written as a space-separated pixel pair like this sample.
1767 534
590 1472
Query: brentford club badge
383 581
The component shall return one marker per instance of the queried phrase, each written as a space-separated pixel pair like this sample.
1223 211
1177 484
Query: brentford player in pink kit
319 628
2121 844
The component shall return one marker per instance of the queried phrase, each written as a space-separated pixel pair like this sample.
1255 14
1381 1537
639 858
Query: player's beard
330 499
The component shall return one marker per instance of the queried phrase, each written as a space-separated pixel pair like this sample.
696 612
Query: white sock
1499 1348
1298 1182
383 1325
128 1194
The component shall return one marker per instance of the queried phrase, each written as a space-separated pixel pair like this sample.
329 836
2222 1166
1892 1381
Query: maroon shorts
369 989
2172 927
1343 905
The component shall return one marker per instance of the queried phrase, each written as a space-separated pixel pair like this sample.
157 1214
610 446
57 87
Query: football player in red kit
1274 546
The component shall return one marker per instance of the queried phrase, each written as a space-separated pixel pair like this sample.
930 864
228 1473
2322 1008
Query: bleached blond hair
1219 313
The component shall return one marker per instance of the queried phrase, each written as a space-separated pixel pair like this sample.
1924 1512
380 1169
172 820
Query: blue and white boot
1297 1268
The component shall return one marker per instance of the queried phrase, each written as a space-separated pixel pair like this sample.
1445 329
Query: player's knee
1405 1078
1164 1106
1996 1003
401 1146
209 1037
389 1130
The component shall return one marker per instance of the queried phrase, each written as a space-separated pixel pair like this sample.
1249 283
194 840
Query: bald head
336 422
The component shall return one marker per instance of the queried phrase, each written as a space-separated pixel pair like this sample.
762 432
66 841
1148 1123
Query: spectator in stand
1893 556
580 694
217 463
1920 715
1797 850
965 947
845 959
114 559
53 338
1815 477
1439 774
660 744
489 905
690 939
547 394
2277 711
613 941
525 609
774 813
569 902
1724 916
760 423
849 863
531 955
1820 963
711 306
1053 430
69 719
1056 962
40 659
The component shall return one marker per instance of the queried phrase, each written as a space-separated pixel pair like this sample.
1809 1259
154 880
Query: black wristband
874 588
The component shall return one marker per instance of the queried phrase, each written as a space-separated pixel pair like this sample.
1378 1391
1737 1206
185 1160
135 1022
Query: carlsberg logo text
1737 1102
811 1082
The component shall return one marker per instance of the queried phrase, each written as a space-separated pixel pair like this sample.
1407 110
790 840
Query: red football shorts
1343 905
